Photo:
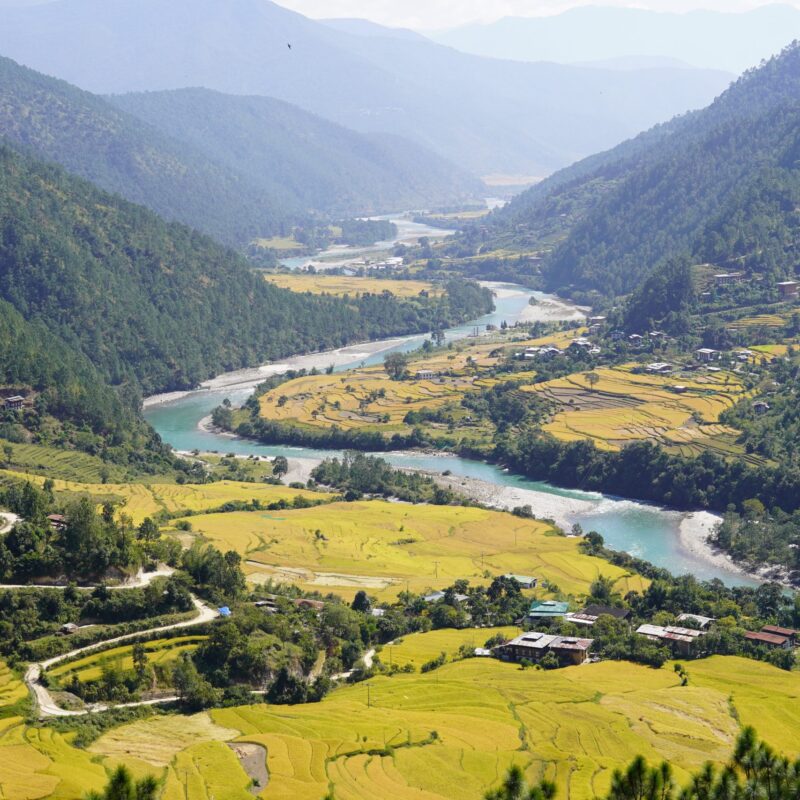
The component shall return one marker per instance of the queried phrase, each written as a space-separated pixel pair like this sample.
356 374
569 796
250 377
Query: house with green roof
548 609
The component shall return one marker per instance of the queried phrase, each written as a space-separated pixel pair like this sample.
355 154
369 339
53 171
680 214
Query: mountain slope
733 41
486 115
717 185
314 164
119 153
157 306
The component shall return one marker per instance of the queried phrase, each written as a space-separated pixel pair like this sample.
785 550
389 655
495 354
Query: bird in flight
289 46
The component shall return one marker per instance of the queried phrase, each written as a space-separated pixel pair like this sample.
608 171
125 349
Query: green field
383 547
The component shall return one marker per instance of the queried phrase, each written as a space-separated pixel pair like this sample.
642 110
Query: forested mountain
731 40
235 168
306 161
486 115
721 185
157 306
119 153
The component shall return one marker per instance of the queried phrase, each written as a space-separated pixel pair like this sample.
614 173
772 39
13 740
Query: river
643 530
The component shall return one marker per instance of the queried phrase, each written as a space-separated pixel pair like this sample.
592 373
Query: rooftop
548 608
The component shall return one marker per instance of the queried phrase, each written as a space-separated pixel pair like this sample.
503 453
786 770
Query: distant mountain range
709 39
718 186
233 167
487 115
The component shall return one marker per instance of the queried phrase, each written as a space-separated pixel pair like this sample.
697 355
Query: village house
707 355
435 597
771 640
68 629
636 339
660 368
760 407
589 615
425 375
547 609
525 581
534 646
789 289
616 336
697 619
679 640
729 278
312 605
58 522
789 633
13 403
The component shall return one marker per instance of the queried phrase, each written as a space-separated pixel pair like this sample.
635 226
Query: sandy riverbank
562 510
249 378
694 532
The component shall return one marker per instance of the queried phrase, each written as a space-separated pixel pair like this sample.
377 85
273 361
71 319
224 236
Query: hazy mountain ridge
306 161
487 115
236 168
732 41
668 191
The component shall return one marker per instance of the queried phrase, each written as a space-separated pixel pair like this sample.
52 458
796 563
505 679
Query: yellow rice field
417 648
624 407
572 725
340 285
140 500
384 547
159 651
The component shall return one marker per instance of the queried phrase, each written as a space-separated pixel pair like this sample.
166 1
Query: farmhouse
589 615
15 402
707 355
58 522
789 288
68 629
547 609
772 640
425 375
729 278
696 619
761 407
525 581
681 640
635 339
435 597
791 634
659 368
313 605
534 646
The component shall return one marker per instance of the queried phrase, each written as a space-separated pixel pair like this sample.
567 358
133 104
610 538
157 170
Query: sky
434 14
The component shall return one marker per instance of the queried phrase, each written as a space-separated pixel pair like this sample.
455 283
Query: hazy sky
431 14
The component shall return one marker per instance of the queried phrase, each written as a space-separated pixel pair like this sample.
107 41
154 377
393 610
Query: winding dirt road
45 702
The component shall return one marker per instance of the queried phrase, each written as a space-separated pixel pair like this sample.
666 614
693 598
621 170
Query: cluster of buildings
789 290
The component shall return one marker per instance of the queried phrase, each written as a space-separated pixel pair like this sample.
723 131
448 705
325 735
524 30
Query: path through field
44 699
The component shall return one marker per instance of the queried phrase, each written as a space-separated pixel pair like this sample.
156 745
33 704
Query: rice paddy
159 651
573 726
341 285
385 547
624 406
417 648
140 500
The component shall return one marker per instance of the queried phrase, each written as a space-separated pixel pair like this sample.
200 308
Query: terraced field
368 400
58 463
384 547
340 285
417 648
12 690
143 500
159 651
572 725
625 407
